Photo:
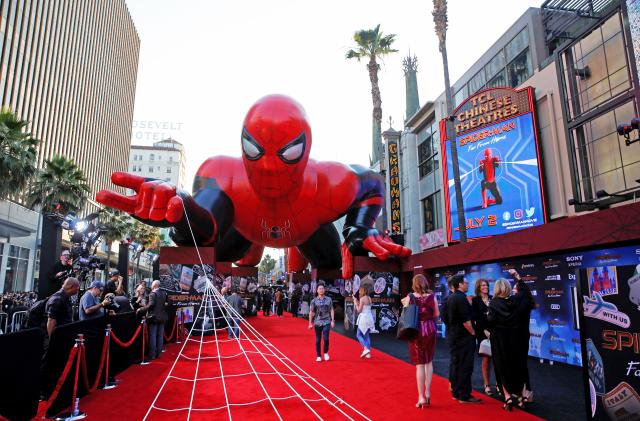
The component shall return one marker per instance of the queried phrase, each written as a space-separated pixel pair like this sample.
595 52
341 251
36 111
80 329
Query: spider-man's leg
322 249
253 256
296 262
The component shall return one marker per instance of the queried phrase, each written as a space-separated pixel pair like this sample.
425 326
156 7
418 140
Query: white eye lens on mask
294 153
251 150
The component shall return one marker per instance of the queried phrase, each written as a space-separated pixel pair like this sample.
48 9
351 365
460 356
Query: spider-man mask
276 140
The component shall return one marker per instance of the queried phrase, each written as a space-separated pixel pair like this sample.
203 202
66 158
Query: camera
113 304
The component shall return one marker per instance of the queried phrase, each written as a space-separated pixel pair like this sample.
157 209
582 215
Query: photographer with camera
115 283
90 305
62 269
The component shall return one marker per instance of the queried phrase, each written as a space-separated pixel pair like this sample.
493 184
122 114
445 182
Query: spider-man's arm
359 235
209 214
159 203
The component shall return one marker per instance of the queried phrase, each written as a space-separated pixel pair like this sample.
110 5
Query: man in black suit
461 339
157 316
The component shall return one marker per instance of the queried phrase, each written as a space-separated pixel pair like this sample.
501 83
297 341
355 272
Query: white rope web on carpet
222 360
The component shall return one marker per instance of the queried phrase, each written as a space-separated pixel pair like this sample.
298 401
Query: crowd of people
275 300
12 302
496 327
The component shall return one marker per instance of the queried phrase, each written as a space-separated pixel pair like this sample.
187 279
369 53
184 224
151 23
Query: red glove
154 200
381 247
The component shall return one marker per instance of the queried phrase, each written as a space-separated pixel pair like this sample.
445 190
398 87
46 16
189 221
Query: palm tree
61 185
117 225
18 153
145 234
441 23
373 44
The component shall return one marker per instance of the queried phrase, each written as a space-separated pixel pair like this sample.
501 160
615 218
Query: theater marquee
495 133
394 188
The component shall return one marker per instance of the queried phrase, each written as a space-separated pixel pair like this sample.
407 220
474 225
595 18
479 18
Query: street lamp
440 20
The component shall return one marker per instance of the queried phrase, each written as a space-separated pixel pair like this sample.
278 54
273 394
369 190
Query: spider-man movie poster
495 134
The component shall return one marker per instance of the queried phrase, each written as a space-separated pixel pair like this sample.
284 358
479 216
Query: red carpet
381 388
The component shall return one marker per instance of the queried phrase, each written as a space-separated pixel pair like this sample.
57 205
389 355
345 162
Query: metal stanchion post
108 383
75 413
144 339
178 325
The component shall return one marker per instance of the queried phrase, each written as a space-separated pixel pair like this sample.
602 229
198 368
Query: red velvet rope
63 377
126 344
83 367
85 376
173 329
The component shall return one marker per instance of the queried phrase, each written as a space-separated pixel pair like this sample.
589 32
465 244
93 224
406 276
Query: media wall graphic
498 158
554 325
610 303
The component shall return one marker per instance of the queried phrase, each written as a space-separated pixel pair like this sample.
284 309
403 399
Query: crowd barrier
20 357
80 358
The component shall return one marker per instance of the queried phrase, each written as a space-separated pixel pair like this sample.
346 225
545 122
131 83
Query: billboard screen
495 134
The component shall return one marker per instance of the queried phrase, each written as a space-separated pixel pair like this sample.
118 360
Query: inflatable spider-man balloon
273 196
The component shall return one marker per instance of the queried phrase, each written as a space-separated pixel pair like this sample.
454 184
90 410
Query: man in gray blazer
157 316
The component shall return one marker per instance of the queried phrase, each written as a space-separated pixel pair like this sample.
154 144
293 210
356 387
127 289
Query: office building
69 69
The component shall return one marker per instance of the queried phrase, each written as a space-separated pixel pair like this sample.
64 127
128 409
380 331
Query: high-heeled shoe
522 402
509 403
422 404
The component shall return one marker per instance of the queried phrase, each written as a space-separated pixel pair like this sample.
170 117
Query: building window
159 157
16 271
497 80
460 96
517 45
428 156
169 170
495 65
519 69
152 157
170 159
477 82
603 161
150 169
511 66
596 68
431 212
135 157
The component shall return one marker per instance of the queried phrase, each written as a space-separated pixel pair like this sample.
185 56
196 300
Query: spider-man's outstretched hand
159 203
369 240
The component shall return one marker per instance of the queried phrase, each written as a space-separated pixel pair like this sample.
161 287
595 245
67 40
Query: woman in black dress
505 342
479 310
524 299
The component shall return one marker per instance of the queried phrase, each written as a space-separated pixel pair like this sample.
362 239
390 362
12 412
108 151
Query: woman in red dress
422 348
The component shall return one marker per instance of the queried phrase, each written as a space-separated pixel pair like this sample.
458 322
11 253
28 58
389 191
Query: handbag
408 323
484 350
